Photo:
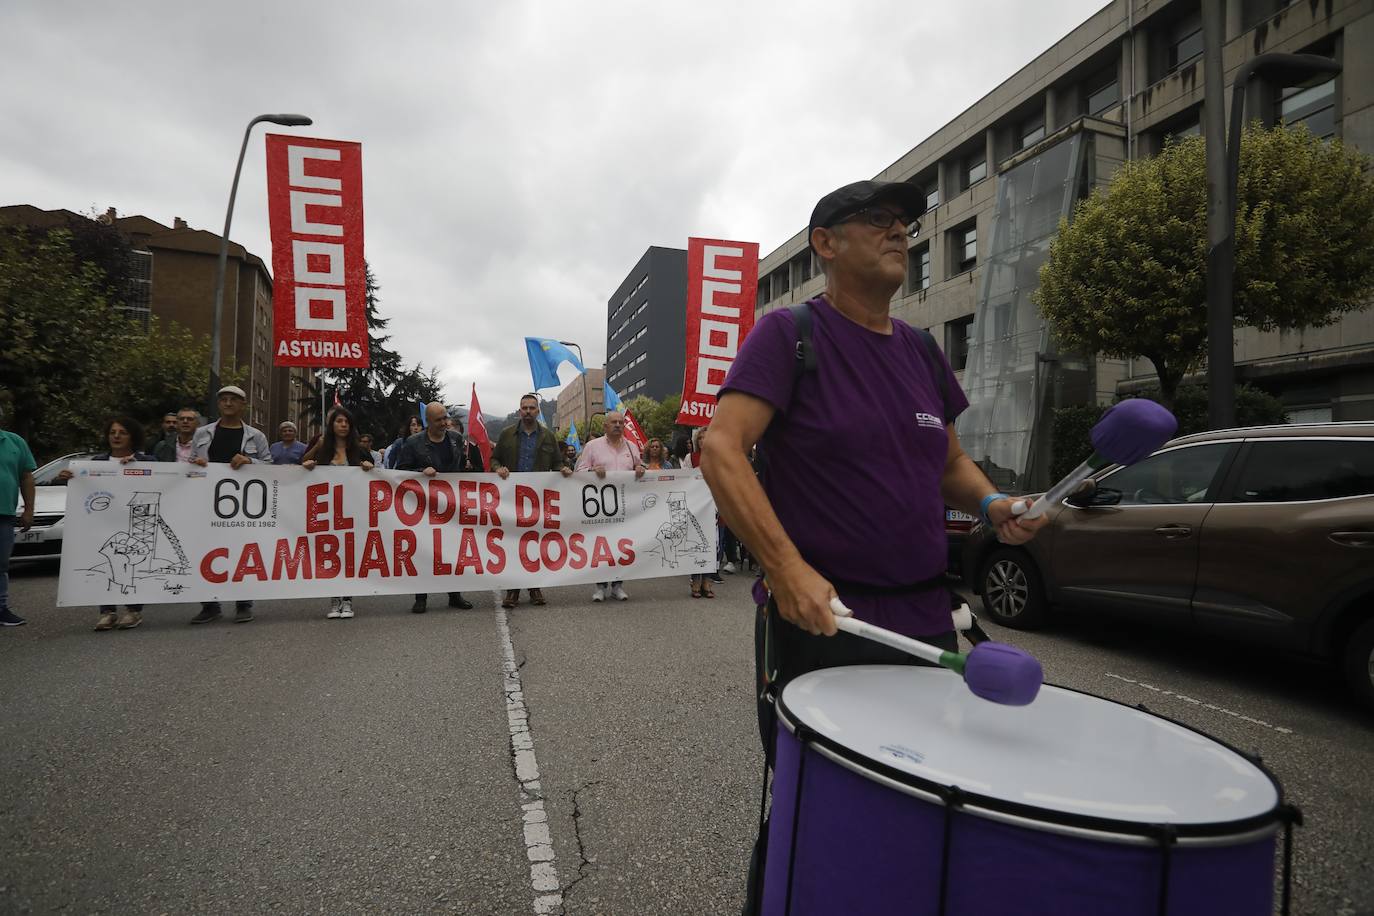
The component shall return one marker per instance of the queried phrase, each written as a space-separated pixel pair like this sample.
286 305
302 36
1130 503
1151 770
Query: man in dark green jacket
526 446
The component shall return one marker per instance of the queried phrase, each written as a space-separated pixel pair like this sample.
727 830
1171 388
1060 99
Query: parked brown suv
1264 534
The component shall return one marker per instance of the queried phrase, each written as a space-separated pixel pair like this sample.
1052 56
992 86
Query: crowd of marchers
431 443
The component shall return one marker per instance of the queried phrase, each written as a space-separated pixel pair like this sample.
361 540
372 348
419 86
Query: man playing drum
860 457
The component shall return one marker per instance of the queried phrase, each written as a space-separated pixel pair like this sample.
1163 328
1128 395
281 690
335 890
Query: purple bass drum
897 791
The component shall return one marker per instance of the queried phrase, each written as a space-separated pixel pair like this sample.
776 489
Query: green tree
1127 277
383 394
145 374
55 325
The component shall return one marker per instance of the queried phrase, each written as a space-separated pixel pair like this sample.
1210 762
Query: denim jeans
6 546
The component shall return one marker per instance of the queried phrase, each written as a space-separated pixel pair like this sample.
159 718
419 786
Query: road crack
583 861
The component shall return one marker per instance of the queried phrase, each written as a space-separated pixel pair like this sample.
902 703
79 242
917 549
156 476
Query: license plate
954 515
30 537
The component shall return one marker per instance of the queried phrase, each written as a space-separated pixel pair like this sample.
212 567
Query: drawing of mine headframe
134 553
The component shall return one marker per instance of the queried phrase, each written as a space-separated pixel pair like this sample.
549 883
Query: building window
975 169
918 268
1185 41
932 189
964 248
803 266
140 290
762 298
1031 131
1314 106
1101 91
956 342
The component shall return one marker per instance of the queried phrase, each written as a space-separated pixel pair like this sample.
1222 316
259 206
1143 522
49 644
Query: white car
44 540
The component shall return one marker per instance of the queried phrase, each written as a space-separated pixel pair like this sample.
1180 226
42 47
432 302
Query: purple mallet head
1132 429
1003 674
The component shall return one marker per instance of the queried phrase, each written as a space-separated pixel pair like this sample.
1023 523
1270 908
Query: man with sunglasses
860 457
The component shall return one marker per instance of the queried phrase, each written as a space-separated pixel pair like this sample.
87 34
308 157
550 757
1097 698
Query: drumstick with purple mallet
1127 432
992 670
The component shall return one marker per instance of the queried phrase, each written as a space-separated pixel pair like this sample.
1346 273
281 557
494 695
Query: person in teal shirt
16 476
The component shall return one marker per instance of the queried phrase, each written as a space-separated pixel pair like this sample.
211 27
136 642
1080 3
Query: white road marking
538 841
1203 704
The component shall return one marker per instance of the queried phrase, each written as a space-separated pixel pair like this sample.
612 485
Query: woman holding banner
339 447
124 439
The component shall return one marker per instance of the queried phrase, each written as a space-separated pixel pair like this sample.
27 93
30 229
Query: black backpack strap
806 350
937 368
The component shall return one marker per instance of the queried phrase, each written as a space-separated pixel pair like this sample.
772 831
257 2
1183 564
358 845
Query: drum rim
1233 832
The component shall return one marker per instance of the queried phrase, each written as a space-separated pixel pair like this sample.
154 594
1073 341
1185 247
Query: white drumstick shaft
844 619
1056 493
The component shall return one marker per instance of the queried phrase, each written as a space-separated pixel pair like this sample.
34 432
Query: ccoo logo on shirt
930 421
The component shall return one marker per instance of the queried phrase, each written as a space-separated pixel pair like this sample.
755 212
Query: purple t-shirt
855 456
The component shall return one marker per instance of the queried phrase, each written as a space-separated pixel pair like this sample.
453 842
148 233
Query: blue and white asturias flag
572 436
610 399
546 355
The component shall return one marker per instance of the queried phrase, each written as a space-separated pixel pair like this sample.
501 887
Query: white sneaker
728 567
346 608
599 594
619 594
334 611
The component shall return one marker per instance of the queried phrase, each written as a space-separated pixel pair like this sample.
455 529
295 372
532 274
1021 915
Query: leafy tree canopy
1127 277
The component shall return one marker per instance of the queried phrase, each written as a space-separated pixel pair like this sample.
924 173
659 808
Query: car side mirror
1103 496
1082 496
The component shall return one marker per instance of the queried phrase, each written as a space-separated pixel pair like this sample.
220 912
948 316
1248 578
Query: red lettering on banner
374 557
327 565
250 564
316 505
722 281
526 507
208 571
349 554
601 553
489 496
497 553
440 567
577 558
469 557
527 540
341 521
315 209
627 552
404 551
439 515
291 561
378 500
410 517
551 509
547 544
467 502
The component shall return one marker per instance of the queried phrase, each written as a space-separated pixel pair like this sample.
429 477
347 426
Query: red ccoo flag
633 432
477 430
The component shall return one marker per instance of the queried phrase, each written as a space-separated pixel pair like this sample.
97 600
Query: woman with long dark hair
339 447
123 438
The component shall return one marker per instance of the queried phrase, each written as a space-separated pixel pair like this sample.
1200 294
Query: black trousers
783 651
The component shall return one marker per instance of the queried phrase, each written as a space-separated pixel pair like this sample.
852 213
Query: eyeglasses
882 218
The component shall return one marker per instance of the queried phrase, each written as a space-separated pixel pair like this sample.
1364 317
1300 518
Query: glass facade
1009 347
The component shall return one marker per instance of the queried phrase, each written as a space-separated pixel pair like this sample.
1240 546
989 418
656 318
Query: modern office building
999 177
583 394
646 327
173 277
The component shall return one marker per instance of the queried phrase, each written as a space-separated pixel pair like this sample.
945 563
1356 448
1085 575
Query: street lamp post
1285 70
286 120
586 397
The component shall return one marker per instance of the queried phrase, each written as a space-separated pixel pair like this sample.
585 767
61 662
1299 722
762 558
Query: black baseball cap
854 197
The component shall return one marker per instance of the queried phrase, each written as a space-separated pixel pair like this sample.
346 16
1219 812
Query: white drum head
1067 752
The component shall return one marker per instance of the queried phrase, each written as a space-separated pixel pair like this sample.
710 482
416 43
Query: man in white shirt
611 452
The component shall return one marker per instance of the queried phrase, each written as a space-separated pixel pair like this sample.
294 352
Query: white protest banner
157 533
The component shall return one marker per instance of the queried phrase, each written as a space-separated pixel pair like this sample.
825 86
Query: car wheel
1012 591
1358 663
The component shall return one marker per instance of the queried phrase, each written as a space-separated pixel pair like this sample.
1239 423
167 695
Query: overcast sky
518 157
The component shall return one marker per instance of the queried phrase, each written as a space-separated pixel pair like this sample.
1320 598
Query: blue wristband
987 501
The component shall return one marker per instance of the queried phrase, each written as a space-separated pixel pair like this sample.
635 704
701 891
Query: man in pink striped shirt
611 452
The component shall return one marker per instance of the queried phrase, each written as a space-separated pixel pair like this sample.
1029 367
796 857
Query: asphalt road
296 764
